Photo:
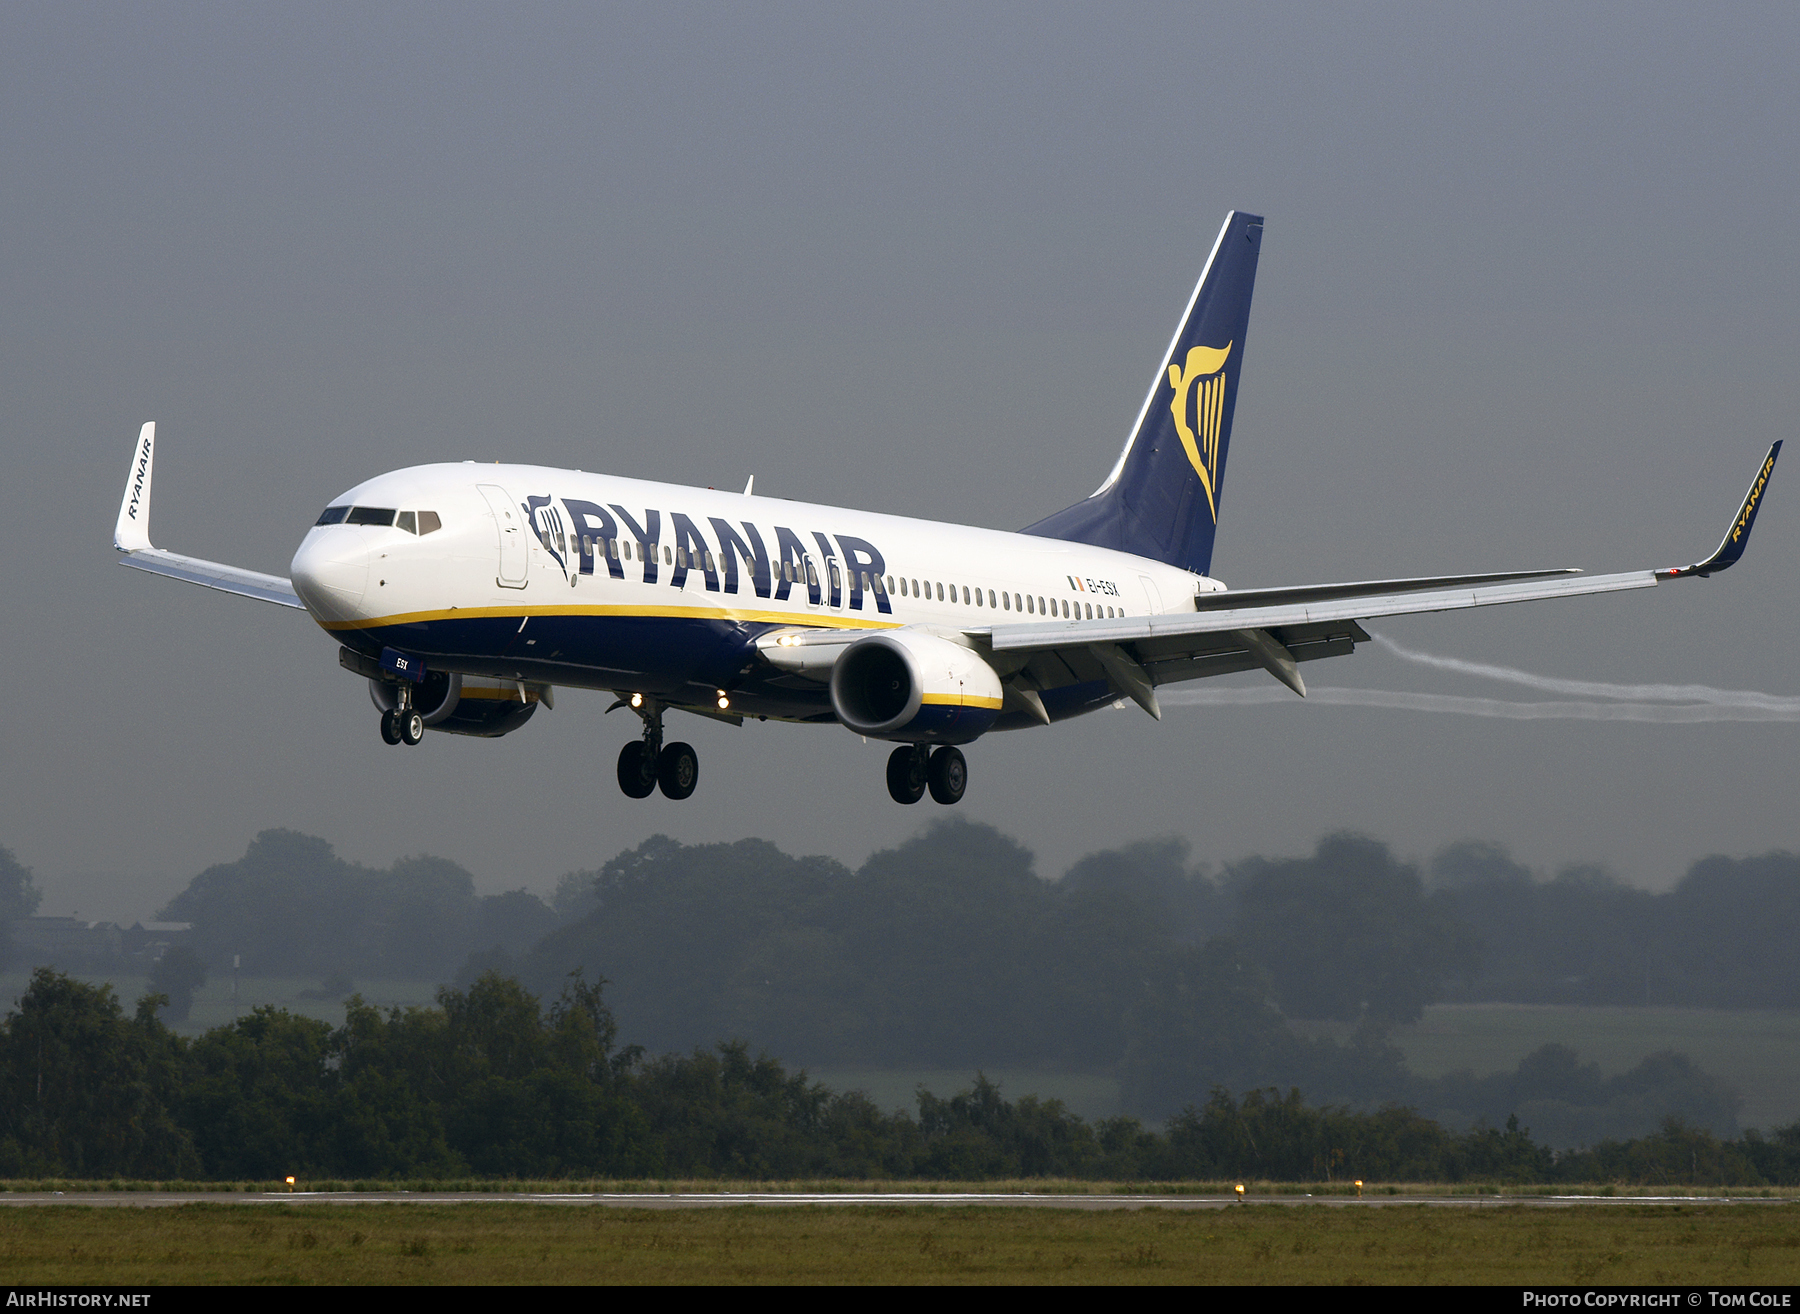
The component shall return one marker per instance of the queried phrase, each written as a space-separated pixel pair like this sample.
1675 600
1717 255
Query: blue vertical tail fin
1162 498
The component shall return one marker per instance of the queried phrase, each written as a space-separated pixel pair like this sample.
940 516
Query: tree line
291 907
1721 938
1348 932
950 951
491 1083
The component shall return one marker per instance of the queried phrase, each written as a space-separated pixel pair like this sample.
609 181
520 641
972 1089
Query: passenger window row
1028 603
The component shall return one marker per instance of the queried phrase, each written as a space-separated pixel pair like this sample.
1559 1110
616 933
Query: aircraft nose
331 572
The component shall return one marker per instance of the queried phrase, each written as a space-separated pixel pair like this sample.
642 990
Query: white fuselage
571 554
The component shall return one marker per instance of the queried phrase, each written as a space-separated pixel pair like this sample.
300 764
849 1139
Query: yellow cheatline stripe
954 700
808 620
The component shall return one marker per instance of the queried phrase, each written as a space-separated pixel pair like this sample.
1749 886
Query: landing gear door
515 556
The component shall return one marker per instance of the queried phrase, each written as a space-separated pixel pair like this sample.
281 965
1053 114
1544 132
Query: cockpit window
413 522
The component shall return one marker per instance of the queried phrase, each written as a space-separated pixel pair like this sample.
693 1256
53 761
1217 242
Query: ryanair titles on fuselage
615 537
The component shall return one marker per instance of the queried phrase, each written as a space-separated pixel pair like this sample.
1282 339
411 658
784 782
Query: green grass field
525 1243
1758 1052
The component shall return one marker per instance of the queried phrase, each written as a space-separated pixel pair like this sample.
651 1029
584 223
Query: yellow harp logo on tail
1201 378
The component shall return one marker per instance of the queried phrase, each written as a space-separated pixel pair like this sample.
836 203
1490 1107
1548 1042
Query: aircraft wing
214 575
1276 629
131 536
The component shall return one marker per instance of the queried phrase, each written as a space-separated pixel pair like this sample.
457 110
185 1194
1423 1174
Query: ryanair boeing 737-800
465 594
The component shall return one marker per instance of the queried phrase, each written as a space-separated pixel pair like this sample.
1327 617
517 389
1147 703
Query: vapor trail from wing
1563 710
1658 704
1662 693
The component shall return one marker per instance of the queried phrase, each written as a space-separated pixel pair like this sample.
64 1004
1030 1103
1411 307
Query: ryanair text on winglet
1750 501
138 477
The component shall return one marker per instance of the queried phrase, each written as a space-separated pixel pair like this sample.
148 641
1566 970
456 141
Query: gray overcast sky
1527 298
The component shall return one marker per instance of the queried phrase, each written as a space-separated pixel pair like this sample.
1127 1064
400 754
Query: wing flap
1176 669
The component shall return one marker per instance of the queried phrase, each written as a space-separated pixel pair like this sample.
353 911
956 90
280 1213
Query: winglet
132 533
1737 538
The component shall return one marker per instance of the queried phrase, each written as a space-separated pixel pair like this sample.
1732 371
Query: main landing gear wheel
637 770
648 762
411 726
677 770
390 727
906 774
948 775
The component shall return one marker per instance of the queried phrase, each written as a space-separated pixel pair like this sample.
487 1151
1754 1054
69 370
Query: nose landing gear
402 724
914 768
648 763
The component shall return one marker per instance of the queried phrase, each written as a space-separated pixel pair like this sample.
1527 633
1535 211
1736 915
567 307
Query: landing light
724 701
637 700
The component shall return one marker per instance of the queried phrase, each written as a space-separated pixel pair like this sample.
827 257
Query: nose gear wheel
402 723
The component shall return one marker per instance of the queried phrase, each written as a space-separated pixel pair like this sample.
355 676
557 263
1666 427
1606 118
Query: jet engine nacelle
465 704
914 687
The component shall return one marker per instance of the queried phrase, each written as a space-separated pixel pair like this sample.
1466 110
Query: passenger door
515 553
